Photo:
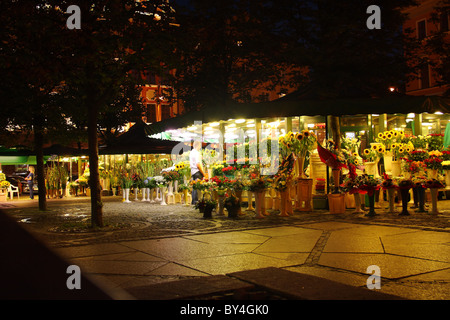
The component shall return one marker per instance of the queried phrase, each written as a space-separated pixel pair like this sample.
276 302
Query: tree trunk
39 150
94 179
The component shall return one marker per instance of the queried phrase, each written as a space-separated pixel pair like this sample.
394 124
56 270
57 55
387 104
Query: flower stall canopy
308 102
17 156
137 141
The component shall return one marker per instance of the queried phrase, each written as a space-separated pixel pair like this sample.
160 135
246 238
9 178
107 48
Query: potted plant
232 204
206 207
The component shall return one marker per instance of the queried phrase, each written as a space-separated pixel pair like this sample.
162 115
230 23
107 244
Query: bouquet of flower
435 141
205 204
446 165
258 183
170 175
149 182
419 181
413 167
231 201
83 182
387 138
236 185
419 142
229 170
287 165
379 149
160 181
183 187
281 182
433 183
217 169
331 155
388 183
126 182
137 181
183 169
4 184
367 183
350 185
433 162
369 155
400 150
418 155
220 182
404 183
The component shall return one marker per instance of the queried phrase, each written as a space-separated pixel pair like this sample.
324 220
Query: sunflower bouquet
369 155
400 150
387 138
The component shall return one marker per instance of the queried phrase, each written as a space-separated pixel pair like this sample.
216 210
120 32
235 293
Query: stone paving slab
189 289
392 266
307 287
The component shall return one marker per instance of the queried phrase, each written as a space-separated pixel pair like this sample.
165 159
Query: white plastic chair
12 190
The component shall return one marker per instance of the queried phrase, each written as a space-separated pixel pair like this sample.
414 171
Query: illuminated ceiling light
250 121
438 112
410 115
250 125
214 124
192 128
310 125
239 120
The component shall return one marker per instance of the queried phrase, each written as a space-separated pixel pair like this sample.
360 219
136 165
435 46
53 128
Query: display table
303 199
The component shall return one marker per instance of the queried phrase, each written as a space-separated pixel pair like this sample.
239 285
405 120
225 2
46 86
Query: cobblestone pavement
144 244
67 222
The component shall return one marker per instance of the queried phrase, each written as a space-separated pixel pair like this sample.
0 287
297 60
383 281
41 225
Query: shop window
422 29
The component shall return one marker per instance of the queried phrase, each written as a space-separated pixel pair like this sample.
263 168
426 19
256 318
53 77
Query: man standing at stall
195 160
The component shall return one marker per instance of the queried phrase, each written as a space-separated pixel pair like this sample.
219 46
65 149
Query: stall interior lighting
240 121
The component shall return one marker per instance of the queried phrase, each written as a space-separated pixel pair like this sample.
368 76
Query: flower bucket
336 202
434 194
391 198
233 211
371 212
126 195
405 200
396 168
207 212
371 168
387 159
432 173
447 178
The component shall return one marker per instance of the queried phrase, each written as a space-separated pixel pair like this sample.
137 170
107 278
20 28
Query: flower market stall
370 150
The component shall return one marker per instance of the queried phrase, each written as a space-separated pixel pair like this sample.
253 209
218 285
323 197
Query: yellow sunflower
366 151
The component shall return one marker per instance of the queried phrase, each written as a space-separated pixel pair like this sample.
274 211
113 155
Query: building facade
425 22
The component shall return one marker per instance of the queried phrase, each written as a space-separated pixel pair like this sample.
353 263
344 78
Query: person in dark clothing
30 180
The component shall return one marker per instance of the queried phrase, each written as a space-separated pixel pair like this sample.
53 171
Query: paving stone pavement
148 244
